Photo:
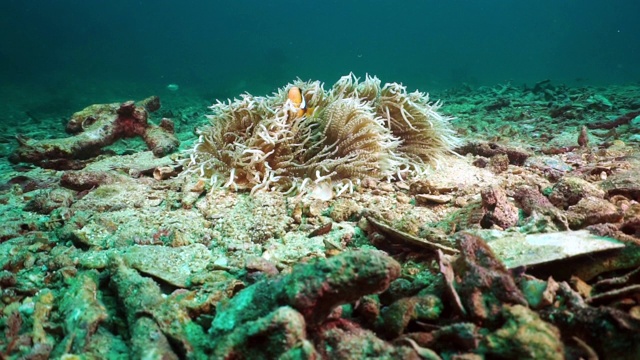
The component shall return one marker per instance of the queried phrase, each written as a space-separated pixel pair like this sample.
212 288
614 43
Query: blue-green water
223 48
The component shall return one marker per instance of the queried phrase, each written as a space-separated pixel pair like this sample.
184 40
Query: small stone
480 162
402 198
498 210
258 263
163 173
499 163
385 187
580 286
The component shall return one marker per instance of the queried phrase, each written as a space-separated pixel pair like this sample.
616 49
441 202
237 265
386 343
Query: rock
368 309
95 127
569 190
498 210
625 183
83 311
480 162
148 341
532 202
173 265
282 335
523 335
538 293
516 250
313 289
462 336
141 297
592 210
610 332
397 316
433 199
483 282
345 340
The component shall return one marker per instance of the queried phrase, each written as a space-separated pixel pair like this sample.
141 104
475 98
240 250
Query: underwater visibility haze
319 179
224 48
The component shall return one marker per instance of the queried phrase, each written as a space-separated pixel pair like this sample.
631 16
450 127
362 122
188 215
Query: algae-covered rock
397 316
484 283
313 289
95 127
345 340
523 336
592 210
173 265
148 342
570 190
142 297
83 312
498 210
282 334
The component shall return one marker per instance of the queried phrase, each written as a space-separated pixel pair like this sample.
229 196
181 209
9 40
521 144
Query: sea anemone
307 140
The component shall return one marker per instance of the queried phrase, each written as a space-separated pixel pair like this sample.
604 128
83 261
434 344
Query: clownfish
298 101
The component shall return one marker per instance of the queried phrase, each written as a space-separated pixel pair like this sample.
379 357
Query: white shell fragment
526 250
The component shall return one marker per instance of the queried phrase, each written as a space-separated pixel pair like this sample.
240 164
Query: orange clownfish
298 101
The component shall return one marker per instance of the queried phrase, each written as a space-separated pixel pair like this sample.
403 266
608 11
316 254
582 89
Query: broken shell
434 199
515 249
332 245
321 230
426 187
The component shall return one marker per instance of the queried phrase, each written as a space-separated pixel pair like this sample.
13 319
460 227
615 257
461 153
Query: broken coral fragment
353 131
95 127
313 289
482 281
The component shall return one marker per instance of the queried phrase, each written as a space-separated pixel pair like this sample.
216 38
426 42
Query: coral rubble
113 262
95 127
318 141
